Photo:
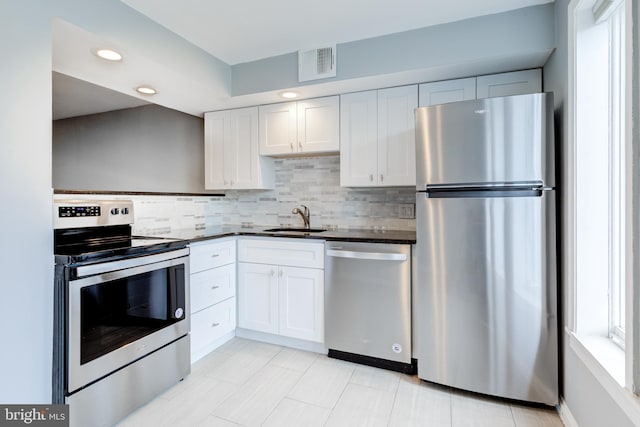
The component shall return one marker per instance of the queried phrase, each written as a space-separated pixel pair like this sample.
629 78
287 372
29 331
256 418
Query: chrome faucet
304 214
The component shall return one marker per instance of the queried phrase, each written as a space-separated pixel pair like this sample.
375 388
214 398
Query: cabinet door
318 125
447 91
278 129
244 145
258 297
359 139
507 84
217 150
396 136
301 292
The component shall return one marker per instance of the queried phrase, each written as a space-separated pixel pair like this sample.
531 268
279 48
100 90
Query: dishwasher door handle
367 255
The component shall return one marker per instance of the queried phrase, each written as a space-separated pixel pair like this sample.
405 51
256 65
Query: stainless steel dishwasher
368 304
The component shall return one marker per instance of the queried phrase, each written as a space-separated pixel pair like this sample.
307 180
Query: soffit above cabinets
73 97
191 80
184 81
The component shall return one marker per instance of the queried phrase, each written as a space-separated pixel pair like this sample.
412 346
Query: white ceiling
238 31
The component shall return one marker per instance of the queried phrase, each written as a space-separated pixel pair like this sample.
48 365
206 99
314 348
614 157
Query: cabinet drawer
211 323
212 286
211 255
282 252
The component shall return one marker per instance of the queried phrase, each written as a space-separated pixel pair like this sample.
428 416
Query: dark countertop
351 235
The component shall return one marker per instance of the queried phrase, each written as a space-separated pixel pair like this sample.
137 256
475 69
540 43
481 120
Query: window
600 175
602 188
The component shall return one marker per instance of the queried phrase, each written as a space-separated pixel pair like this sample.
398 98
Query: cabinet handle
215 255
273 273
213 288
213 325
300 145
291 145
279 273
381 178
371 177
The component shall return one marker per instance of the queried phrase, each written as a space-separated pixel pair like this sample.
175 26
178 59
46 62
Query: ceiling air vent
316 63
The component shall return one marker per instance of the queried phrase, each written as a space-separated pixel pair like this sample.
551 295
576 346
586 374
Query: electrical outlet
406 211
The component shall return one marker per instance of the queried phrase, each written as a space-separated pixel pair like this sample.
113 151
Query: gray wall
148 148
456 46
586 398
26 252
26 284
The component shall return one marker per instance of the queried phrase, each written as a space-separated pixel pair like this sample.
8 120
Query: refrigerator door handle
494 192
532 185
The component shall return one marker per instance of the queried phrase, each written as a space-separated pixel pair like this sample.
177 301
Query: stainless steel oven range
121 330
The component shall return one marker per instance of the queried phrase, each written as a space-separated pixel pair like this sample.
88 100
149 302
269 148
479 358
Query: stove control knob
125 211
115 211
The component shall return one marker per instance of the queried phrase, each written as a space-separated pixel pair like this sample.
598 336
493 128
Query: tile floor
248 383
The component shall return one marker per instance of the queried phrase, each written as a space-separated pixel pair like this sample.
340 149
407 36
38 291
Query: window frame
617 175
616 381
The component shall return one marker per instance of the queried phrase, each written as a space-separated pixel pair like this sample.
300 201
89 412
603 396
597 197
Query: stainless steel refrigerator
485 299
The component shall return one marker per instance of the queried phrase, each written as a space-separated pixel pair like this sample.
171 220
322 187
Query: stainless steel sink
289 229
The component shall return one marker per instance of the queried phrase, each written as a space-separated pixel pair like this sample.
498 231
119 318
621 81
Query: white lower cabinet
301 303
212 295
208 326
285 298
258 297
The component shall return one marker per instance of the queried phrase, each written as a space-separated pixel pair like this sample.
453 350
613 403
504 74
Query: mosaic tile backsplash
312 181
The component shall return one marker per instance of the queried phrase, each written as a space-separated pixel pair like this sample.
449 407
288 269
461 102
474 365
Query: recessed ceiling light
289 95
146 90
109 54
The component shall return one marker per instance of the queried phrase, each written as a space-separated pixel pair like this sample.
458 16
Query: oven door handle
104 267
177 303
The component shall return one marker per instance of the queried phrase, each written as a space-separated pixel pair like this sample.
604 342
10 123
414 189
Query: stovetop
100 230
111 250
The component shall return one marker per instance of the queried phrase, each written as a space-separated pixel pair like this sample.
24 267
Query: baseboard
565 415
311 346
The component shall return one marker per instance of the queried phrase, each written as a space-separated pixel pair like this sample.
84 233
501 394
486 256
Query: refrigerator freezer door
493 140
486 295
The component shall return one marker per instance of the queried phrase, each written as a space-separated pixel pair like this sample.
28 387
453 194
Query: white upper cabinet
298 128
359 139
377 133
507 84
278 128
447 91
232 158
396 136
319 125
489 86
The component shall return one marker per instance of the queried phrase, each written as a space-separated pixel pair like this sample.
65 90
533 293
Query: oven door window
118 312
